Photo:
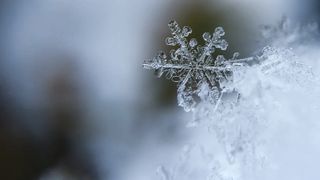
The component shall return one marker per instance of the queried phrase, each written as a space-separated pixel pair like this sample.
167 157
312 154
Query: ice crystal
195 66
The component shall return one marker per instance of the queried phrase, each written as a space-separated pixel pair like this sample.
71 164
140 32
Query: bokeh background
75 102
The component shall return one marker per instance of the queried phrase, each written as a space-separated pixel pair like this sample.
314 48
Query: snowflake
194 66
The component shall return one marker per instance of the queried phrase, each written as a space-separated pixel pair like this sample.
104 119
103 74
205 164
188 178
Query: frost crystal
194 66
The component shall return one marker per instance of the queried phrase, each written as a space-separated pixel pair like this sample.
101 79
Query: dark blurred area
75 102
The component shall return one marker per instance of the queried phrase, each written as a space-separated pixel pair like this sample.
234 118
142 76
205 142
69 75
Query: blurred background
75 102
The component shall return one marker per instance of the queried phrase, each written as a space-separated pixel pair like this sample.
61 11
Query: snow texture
239 100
